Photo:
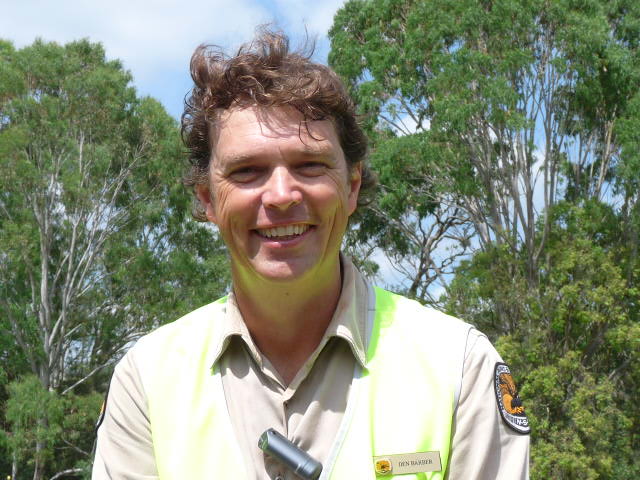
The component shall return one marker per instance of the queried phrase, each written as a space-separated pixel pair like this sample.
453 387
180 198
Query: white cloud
155 39
147 36
317 16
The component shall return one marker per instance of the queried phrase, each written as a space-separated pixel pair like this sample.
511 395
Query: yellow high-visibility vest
402 402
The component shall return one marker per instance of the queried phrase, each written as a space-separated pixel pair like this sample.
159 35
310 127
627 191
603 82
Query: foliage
62 423
96 245
505 134
574 342
514 106
35 416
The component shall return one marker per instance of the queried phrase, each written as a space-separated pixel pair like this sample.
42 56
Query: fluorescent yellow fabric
402 402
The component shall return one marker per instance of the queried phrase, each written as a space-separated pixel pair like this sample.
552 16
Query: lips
285 231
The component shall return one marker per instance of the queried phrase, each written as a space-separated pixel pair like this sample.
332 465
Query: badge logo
102 410
406 463
383 466
509 403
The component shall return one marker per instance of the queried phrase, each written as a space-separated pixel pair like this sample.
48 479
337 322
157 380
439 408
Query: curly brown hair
265 73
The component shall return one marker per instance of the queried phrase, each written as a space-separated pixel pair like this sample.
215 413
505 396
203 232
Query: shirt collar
348 322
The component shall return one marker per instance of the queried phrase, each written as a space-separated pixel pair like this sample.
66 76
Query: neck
287 320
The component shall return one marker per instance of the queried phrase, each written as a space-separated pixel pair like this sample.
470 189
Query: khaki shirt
309 410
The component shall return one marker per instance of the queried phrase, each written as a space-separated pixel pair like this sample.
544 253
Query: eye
245 174
312 168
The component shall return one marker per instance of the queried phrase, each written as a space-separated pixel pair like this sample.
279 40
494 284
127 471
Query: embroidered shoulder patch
102 410
509 403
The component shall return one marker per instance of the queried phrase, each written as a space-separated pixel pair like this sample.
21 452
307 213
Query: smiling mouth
283 233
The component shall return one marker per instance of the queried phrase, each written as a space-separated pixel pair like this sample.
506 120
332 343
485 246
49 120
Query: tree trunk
38 471
14 467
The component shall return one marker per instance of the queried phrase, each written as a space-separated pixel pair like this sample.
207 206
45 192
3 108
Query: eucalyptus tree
96 245
519 117
510 106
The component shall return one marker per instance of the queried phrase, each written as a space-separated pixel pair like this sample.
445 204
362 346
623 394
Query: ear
355 180
203 192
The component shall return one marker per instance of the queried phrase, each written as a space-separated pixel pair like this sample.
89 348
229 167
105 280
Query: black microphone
296 459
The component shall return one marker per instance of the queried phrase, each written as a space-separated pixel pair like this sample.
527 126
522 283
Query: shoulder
177 341
480 349
412 332
407 313
199 323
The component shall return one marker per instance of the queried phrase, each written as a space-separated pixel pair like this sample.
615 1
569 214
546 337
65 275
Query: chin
282 275
283 271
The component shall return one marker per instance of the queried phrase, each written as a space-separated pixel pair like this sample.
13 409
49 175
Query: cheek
221 201
234 206
340 192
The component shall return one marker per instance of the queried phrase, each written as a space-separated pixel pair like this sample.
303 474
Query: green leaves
572 341
96 245
61 425
524 117
35 416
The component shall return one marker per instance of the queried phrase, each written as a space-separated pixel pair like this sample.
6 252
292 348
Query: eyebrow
240 158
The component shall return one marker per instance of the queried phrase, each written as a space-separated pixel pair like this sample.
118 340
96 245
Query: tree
573 341
96 248
516 120
413 222
516 102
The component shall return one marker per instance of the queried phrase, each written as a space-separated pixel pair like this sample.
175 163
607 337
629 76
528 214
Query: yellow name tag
407 463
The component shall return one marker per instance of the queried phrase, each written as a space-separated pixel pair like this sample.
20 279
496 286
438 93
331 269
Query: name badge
407 463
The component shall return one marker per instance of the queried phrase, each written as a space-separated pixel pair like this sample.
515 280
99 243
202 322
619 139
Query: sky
155 38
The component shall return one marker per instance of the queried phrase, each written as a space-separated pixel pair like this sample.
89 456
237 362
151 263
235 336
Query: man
366 382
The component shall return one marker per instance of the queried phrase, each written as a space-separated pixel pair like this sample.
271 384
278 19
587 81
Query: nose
281 189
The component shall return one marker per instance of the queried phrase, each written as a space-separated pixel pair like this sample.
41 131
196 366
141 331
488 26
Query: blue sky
155 39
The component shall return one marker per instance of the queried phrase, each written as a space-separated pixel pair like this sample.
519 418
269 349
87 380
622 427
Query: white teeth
283 231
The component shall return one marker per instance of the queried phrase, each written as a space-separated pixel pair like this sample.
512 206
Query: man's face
280 192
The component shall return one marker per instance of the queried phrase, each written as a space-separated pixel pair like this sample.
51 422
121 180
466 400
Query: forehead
254 131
